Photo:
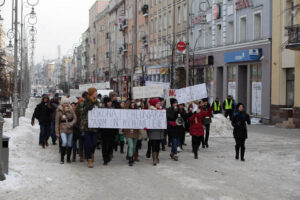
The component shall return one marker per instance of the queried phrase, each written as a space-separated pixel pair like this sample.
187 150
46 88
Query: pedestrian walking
155 135
196 128
228 106
172 127
131 135
42 113
54 104
206 121
108 136
240 118
76 128
64 121
90 134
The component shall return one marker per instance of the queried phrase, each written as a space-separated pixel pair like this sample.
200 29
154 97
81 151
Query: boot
196 155
69 151
136 157
148 154
157 157
81 159
175 157
154 155
62 155
236 152
122 147
90 163
130 161
243 153
74 157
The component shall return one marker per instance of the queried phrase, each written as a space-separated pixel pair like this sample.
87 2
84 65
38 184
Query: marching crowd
66 120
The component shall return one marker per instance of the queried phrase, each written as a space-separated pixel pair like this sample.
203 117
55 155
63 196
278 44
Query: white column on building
213 26
224 26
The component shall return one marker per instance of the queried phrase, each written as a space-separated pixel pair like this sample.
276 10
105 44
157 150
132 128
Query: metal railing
293 34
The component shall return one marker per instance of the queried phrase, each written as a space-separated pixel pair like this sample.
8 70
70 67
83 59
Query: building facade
286 63
231 51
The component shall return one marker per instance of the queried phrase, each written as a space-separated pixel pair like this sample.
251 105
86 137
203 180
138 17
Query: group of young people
66 119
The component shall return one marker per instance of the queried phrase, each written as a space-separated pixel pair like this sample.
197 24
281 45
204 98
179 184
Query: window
170 19
209 74
231 73
185 12
257 26
208 38
290 87
178 15
165 21
159 23
230 33
243 29
219 35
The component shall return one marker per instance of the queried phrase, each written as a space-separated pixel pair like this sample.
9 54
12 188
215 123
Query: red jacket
196 127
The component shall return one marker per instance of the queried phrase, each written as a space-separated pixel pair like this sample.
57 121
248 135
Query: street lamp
10 47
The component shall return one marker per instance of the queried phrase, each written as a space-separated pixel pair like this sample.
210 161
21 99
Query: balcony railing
293 42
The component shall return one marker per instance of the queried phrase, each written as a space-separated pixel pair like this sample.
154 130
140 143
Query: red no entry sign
181 46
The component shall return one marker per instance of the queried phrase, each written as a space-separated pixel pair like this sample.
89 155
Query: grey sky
59 22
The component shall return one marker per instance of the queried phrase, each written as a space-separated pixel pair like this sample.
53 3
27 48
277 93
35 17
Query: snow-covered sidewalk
271 170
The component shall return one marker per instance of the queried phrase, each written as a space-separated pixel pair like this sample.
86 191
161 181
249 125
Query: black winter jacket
43 113
239 123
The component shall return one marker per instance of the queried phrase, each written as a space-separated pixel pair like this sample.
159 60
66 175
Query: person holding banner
90 135
132 135
172 128
196 128
155 135
108 136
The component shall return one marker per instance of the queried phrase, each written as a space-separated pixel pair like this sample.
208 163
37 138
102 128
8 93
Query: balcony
293 42
145 10
145 41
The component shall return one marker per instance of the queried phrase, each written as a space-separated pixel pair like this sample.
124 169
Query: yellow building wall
297 64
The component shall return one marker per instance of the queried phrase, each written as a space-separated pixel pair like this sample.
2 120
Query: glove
173 124
145 128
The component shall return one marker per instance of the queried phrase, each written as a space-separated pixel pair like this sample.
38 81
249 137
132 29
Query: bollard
2 177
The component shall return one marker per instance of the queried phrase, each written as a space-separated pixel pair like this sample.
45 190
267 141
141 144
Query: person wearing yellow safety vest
228 106
216 106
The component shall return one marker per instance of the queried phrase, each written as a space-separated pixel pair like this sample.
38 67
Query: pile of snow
255 121
220 126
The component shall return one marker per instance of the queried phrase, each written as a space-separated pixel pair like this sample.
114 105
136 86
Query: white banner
192 93
165 85
148 92
98 86
76 93
127 119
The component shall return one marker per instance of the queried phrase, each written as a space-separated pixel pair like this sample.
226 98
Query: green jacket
85 106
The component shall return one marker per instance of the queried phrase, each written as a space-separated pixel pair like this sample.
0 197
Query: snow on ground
220 126
271 170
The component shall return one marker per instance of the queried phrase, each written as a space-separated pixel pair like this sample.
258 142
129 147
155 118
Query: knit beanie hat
153 102
91 91
64 100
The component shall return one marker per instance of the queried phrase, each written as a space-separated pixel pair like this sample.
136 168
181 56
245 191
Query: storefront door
242 84
231 84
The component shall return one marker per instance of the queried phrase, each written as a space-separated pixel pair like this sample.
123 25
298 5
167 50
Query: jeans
90 140
207 127
174 145
52 132
44 132
131 146
67 139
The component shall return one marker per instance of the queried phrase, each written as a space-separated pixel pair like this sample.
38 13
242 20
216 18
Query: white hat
64 100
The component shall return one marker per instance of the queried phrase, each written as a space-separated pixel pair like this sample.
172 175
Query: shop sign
202 61
243 56
200 19
241 4
217 11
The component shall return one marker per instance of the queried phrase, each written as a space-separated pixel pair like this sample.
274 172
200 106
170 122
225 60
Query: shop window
256 71
231 73
290 87
209 74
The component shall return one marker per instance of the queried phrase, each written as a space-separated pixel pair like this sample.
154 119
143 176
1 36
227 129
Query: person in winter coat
216 106
206 121
196 129
90 134
240 118
108 136
76 129
131 135
64 121
173 130
155 135
54 104
182 128
42 113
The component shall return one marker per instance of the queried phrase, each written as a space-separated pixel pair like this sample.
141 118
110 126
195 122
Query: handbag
206 120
